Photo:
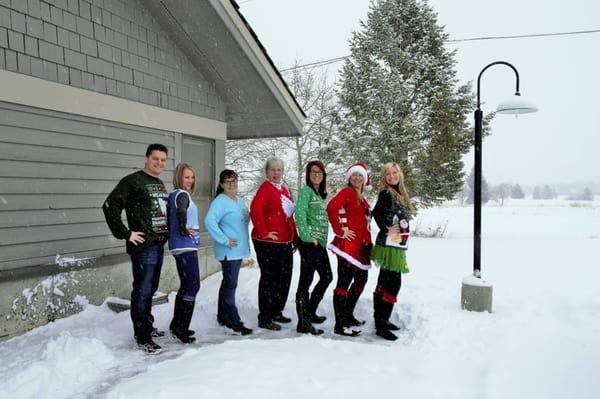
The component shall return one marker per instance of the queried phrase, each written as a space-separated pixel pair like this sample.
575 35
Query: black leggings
275 263
349 274
388 285
313 258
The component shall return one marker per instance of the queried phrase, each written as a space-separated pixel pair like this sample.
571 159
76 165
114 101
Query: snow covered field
541 341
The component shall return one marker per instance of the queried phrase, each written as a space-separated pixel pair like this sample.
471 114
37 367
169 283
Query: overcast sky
559 74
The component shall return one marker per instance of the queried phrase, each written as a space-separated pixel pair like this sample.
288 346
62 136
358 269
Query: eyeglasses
230 181
312 172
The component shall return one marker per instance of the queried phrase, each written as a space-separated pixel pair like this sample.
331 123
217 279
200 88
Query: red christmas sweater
347 210
272 209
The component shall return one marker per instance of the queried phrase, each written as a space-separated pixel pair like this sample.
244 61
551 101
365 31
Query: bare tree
316 95
247 158
500 193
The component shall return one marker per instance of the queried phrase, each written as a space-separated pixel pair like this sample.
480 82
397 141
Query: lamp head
516 106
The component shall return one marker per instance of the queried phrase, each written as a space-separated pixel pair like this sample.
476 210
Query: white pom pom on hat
360 168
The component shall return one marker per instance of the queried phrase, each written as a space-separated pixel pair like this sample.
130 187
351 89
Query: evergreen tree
517 192
587 195
548 192
485 192
401 100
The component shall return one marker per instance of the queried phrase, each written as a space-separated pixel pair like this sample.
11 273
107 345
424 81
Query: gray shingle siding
117 42
55 172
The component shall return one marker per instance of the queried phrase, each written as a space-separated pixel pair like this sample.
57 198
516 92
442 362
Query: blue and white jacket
179 243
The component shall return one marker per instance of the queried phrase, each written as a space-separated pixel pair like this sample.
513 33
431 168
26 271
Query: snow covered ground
541 341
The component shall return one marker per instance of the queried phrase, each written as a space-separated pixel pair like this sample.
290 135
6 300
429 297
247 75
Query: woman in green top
311 219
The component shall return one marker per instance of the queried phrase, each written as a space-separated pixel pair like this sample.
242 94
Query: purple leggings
189 275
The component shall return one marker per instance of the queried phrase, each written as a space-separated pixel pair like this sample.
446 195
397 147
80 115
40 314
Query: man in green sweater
144 197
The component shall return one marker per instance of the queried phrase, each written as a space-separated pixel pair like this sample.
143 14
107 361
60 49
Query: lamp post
476 294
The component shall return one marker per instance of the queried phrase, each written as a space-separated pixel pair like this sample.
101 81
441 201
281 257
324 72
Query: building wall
56 170
56 251
66 140
32 298
108 46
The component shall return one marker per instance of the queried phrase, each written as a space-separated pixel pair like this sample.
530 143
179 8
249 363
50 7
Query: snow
541 341
475 281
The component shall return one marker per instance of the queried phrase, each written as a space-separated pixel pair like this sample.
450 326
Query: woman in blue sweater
227 223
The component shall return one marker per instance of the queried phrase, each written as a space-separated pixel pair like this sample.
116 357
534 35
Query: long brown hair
401 195
322 191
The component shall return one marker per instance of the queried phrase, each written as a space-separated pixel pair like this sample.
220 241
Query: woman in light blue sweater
227 223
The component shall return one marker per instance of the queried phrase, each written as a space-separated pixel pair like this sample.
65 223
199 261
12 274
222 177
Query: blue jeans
146 265
227 312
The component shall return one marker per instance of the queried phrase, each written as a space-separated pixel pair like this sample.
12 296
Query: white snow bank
67 367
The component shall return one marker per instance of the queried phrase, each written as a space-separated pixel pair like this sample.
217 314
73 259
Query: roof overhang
219 42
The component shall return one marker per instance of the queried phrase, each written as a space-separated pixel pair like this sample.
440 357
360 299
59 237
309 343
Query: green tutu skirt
390 258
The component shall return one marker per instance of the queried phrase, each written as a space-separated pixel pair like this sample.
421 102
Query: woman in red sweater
349 215
273 235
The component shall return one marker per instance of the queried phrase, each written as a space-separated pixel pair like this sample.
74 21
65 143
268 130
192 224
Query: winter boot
351 304
304 325
242 329
391 326
313 303
149 346
280 318
339 308
182 317
381 312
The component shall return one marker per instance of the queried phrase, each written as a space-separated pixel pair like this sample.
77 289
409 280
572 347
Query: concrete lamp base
476 294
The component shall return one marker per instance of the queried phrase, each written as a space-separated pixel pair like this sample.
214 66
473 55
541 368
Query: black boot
339 308
381 314
391 326
352 300
182 317
304 325
313 303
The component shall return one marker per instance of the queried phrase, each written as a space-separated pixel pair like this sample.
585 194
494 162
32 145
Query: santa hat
360 168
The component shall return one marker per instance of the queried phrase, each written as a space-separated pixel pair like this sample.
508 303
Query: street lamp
476 294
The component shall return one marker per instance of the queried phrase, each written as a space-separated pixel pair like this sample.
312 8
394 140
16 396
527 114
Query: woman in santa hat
349 215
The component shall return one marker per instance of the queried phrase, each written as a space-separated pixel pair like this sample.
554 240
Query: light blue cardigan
228 220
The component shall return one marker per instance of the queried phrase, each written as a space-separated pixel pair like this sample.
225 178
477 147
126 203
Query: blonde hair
401 195
178 176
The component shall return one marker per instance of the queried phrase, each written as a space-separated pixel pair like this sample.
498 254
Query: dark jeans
275 262
226 310
189 275
388 285
349 274
313 258
146 265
